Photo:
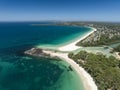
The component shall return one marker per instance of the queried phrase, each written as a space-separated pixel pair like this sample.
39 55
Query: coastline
87 80
72 46
59 52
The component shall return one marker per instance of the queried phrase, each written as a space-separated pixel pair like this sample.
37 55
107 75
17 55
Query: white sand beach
72 46
87 80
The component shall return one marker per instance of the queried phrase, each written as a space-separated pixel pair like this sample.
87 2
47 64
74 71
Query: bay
20 72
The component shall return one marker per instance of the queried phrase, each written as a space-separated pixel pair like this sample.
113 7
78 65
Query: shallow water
20 72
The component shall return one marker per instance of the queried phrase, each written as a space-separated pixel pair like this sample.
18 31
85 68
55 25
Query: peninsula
80 62
62 53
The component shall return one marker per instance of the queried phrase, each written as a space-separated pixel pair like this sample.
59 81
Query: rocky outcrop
37 52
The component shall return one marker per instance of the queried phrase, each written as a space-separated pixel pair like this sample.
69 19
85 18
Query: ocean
21 72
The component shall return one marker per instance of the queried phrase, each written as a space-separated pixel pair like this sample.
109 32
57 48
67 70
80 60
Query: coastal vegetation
103 40
104 70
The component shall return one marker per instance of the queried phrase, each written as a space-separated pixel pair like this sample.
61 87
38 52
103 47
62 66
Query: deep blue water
19 72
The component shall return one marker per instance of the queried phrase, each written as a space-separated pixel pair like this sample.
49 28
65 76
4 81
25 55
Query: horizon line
65 21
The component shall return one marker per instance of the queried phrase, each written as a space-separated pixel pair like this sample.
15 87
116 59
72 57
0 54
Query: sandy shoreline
87 80
72 46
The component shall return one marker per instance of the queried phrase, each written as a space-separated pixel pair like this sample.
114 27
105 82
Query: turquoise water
20 72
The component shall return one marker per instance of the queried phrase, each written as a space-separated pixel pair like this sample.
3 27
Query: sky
63 10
